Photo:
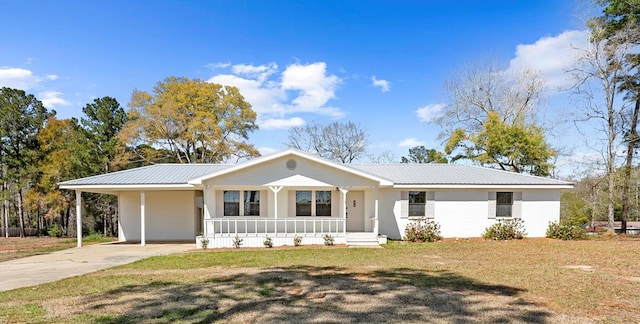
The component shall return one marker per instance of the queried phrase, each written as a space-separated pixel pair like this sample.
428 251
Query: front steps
362 239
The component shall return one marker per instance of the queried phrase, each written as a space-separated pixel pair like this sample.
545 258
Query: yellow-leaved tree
191 121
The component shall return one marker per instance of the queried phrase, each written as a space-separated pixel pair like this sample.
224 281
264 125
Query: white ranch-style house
293 193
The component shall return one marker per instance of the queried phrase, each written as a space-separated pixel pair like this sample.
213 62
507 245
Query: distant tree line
181 121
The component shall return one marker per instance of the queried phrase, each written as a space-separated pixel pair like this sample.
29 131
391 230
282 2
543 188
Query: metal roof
162 174
451 174
396 174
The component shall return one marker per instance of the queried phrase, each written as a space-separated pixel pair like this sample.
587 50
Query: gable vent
292 164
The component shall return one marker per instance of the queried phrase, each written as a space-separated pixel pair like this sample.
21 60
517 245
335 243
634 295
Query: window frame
506 205
420 206
326 205
249 204
225 202
300 204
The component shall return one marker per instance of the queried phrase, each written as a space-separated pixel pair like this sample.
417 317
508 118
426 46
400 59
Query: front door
355 211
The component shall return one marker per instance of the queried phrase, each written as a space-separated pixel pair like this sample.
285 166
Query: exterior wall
170 215
465 213
538 209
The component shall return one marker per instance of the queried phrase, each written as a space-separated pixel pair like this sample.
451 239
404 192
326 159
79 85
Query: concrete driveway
34 270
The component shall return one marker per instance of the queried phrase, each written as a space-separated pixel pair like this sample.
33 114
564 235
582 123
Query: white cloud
51 77
429 112
17 78
551 56
411 142
218 65
300 88
51 99
275 123
384 85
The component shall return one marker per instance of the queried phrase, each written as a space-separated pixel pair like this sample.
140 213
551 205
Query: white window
232 203
504 204
323 203
250 206
252 203
417 203
303 203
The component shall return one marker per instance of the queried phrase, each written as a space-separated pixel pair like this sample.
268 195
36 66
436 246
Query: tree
104 119
518 147
65 152
196 121
22 116
491 120
620 27
598 73
343 142
479 90
420 154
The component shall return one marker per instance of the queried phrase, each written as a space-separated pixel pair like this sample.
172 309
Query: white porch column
275 190
79 218
376 225
143 230
344 192
205 205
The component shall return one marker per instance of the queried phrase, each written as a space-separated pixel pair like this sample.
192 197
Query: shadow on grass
326 294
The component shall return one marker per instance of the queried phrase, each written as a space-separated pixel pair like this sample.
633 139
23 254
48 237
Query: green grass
528 281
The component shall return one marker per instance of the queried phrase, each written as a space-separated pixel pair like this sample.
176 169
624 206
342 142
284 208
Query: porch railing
248 226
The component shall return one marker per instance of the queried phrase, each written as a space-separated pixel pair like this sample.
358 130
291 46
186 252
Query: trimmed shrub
508 229
268 242
237 242
55 230
564 231
422 231
328 239
297 240
204 242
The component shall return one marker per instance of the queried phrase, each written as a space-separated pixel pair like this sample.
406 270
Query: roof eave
483 186
114 187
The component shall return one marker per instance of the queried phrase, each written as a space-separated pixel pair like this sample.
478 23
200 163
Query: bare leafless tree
343 142
480 89
597 74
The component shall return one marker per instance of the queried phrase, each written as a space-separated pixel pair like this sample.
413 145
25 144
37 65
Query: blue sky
381 64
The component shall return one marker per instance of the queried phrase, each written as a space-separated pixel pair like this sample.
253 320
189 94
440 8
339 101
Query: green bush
508 229
204 242
55 230
328 239
237 242
268 242
565 231
422 231
297 240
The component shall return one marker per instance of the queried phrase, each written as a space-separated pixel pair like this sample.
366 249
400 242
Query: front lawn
534 280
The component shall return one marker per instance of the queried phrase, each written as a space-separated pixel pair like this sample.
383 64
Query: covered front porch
309 212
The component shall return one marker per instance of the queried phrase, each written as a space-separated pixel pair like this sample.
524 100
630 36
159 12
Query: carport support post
79 218
142 220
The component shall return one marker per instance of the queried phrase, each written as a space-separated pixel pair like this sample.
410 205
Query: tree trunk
611 168
631 143
20 212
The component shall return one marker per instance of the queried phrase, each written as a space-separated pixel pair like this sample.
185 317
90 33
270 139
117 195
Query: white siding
467 213
170 215
538 209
